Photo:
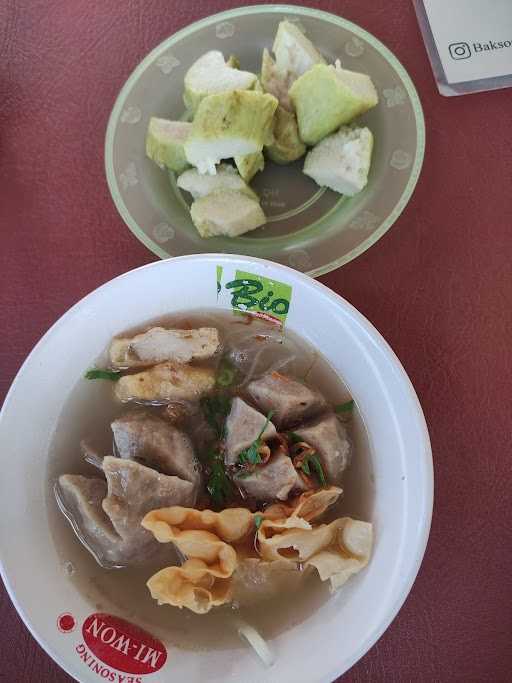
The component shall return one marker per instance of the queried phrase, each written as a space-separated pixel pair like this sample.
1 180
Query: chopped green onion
216 409
218 485
112 375
344 407
294 437
269 416
251 454
225 377
305 467
319 469
313 459
258 519
226 373
247 456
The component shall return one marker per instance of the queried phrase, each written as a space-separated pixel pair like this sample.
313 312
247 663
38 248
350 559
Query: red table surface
437 286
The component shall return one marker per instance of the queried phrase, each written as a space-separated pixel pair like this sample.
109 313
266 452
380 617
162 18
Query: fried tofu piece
158 344
166 382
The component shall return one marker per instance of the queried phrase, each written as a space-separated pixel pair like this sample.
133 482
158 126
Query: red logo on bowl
122 645
66 623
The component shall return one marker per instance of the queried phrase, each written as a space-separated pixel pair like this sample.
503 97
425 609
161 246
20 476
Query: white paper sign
473 38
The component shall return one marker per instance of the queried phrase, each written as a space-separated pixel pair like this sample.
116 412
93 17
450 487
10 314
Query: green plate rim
277 9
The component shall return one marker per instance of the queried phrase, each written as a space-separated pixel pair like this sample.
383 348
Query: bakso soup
225 470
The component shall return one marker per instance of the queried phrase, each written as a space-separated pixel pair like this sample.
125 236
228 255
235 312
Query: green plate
310 228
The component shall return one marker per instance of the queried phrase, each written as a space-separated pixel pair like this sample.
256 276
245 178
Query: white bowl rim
416 550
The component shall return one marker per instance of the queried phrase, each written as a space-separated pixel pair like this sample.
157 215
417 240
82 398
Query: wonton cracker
223 564
204 579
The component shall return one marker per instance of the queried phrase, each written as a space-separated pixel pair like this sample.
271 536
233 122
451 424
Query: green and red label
250 293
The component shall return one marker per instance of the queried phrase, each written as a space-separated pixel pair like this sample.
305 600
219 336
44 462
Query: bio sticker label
247 292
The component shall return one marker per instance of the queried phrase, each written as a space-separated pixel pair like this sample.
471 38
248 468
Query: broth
87 414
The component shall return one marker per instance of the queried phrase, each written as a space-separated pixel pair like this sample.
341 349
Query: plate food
308 226
296 101
103 622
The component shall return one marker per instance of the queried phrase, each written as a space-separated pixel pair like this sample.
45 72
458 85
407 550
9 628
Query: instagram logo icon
459 50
